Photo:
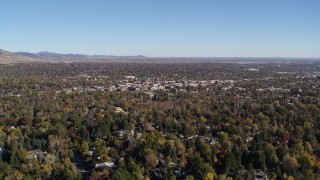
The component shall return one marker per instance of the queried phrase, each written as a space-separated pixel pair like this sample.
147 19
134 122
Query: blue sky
202 28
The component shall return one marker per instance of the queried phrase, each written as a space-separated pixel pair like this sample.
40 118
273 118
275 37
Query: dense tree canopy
57 123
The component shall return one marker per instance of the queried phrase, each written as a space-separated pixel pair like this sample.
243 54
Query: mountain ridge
7 57
69 56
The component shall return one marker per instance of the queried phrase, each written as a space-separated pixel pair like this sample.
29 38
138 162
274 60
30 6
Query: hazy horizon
165 57
227 57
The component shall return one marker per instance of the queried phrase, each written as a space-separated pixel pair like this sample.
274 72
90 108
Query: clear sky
216 28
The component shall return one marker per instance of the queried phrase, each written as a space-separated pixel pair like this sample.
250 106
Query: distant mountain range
16 57
57 56
7 57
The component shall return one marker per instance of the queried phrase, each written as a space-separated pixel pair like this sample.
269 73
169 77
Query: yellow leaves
44 127
84 147
24 154
290 178
234 138
248 120
66 161
155 139
46 169
2 133
138 175
99 116
161 142
102 152
202 120
308 174
208 176
215 159
308 125
306 160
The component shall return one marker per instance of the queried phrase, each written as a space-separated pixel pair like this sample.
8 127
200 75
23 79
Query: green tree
84 148
121 174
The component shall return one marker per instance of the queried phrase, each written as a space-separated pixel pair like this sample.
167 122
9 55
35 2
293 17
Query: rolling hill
56 56
7 57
